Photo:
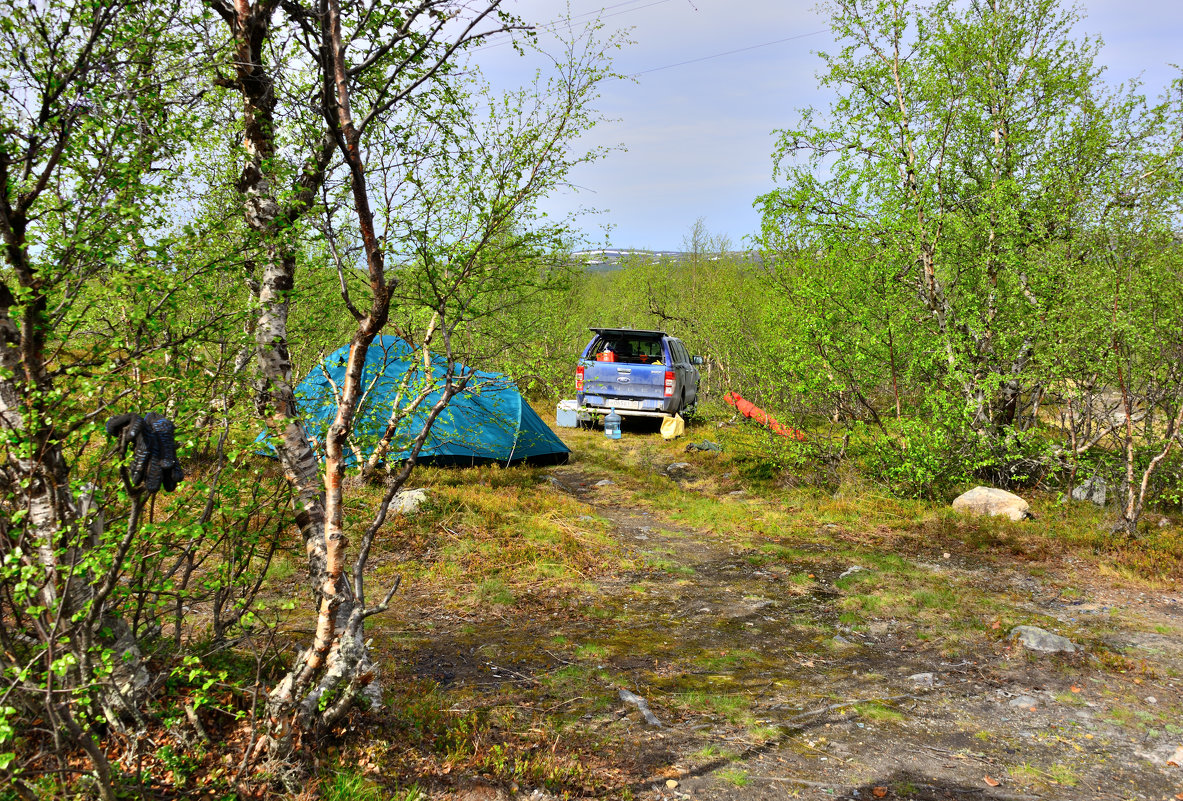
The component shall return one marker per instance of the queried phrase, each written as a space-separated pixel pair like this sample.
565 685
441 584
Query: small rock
1150 699
536 795
1166 753
993 502
1164 522
604 483
945 555
678 470
587 519
408 502
841 642
1024 702
670 783
736 494
1092 490
921 679
1034 638
1176 759
850 571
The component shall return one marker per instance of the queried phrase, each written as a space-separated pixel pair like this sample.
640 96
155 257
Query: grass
492 536
501 559
575 681
764 734
1125 716
712 752
591 651
722 660
1054 774
347 785
281 569
493 591
668 565
736 777
879 713
733 707
942 606
1062 774
507 549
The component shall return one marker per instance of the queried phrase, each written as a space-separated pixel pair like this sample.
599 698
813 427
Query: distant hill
608 259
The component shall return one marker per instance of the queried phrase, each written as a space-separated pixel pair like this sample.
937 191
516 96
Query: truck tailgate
624 382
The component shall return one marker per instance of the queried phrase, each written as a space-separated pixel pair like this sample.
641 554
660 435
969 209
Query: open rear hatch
626 368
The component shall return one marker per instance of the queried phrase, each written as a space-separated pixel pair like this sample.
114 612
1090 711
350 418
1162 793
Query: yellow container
673 427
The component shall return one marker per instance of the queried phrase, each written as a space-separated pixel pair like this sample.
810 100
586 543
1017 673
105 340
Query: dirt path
768 686
928 725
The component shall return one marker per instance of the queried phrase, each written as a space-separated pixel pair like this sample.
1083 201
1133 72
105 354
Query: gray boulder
1092 490
993 502
408 502
678 470
1034 638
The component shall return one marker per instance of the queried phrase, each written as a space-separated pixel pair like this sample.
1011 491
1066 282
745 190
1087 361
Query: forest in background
971 265
970 273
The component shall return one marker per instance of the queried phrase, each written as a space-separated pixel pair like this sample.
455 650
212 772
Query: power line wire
566 24
729 52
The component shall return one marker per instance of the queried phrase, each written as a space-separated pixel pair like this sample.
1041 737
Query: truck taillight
669 383
579 378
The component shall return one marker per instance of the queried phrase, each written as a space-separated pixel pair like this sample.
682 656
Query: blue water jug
612 425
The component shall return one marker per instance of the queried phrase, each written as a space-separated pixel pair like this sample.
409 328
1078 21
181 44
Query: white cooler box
567 414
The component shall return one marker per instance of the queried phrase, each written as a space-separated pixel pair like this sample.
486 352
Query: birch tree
93 129
961 161
401 168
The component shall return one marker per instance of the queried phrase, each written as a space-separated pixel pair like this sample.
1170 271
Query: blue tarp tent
488 422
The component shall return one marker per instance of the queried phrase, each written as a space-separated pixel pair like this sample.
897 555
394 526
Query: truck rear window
629 351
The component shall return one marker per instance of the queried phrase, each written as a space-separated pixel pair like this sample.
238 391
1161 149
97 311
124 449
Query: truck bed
636 372
631 389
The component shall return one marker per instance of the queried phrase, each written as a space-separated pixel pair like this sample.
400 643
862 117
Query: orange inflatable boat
754 412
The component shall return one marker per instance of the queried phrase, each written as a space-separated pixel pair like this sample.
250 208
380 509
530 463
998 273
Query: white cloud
699 136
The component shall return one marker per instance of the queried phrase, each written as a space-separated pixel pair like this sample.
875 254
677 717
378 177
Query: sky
697 138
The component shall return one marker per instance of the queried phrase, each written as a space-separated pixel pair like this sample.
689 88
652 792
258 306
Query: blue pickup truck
637 373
